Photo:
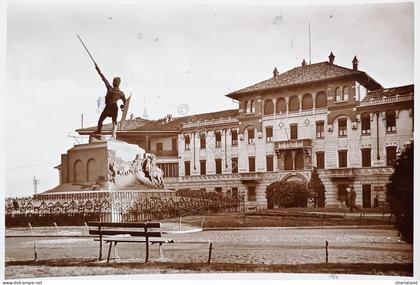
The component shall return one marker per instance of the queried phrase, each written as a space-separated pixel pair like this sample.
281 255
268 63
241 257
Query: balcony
389 99
341 173
250 177
292 144
160 152
220 121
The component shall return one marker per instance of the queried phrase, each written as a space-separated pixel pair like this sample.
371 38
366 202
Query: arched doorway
78 171
91 170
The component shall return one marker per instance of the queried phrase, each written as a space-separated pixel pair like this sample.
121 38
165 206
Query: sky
169 55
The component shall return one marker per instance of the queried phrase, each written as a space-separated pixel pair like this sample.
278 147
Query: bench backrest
133 229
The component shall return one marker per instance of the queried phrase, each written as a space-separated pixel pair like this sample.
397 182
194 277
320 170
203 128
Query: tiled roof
304 74
388 92
174 125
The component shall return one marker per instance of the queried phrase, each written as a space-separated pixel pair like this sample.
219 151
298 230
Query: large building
322 115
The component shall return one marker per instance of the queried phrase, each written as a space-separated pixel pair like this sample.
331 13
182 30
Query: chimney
355 63
275 72
331 58
304 62
168 118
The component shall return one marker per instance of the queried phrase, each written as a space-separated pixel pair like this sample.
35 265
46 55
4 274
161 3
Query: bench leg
115 250
147 249
161 251
109 252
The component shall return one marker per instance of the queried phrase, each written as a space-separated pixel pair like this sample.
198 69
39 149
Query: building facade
322 115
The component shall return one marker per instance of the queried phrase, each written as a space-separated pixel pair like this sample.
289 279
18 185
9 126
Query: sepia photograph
147 139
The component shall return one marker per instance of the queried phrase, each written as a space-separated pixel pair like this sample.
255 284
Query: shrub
400 192
317 188
288 194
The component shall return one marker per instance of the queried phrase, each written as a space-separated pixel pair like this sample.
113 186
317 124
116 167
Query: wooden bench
114 233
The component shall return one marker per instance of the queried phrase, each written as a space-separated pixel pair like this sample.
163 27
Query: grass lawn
92 267
294 217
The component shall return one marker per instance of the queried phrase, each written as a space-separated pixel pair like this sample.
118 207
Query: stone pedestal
108 165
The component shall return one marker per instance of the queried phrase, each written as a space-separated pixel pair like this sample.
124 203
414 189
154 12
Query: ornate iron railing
117 208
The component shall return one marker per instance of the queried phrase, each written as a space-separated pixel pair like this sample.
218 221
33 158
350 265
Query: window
174 144
203 167
202 141
234 137
390 121
338 94
269 162
251 193
345 96
288 161
281 106
320 160
294 104
365 123
366 157
251 136
187 142
391 155
246 107
307 102
251 164
169 169
187 168
235 192
320 130
252 106
159 146
218 166
342 127
218 189
218 139
234 165
342 158
299 160
342 94
269 134
321 100
293 132
268 107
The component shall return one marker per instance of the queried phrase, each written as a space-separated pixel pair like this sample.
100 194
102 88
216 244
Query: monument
108 169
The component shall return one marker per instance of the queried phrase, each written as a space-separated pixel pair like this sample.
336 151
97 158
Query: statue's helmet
116 81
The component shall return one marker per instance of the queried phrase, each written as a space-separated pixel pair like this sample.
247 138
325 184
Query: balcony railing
159 152
250 176
390 99
210 122
341 173
292 144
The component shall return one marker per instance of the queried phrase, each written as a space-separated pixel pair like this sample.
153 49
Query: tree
317 188
400 192
287 194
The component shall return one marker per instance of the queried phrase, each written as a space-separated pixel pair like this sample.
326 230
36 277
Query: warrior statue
113 94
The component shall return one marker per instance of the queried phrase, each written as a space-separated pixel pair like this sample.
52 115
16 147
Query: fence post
326 251
210 249
30 226
56 227
35 252
87 229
